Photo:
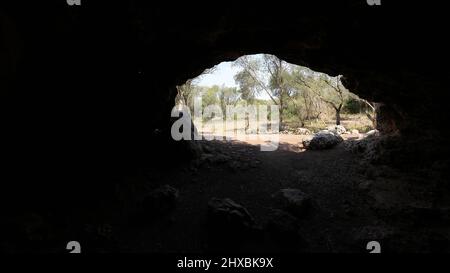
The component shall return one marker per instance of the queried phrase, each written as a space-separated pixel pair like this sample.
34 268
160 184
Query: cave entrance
306 101
233 174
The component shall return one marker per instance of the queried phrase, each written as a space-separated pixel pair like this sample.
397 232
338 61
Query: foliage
353 106
305 97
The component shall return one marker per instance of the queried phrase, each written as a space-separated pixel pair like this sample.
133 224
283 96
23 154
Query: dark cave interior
86 92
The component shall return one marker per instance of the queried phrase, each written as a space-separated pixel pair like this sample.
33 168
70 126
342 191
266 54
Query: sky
224 75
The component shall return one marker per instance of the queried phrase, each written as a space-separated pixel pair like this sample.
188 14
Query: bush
352 106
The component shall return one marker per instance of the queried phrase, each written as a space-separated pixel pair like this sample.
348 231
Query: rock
365 185
306 143
161 200
324 132
207 148
220 158
204 158
361 146
373 133
323 140
371 233
302 131
255 163
348 208
229 215
234 165
386 119
242 165
337 129
283 225
217 158
292 200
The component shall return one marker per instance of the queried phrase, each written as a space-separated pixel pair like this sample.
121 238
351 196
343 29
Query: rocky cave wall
83 89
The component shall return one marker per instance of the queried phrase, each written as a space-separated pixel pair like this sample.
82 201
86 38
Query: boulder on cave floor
230 226
337 129
323 140
229 215
161 200
284 227
292 200
214 159
302 131
372 133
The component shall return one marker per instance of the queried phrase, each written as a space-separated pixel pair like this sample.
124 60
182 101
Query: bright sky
224 75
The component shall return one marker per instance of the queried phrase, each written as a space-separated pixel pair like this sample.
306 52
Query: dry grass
350 121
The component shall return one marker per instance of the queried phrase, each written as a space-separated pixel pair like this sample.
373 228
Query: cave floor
353 203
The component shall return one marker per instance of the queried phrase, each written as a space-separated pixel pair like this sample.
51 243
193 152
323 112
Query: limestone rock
302 131
283 224
292 200
323 140
373 133
225 213
337 129
161 200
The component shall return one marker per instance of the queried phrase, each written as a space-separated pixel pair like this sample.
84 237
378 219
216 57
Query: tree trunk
281 120
338 116
247 123
301 119
281 106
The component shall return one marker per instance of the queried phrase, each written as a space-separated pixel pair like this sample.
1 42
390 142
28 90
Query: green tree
227 96
248 84
210 95
329 89
268 75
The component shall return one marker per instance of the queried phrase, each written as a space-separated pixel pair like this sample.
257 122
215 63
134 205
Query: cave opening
98 132
313 175
227 101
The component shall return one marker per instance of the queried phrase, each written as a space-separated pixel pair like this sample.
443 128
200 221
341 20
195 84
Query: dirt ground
351 201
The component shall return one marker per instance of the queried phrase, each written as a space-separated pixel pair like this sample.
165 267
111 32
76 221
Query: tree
247 85
210 95
188 91
337 97
279 82
228 96
252 80
370 111
329 89
305 102
307 106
